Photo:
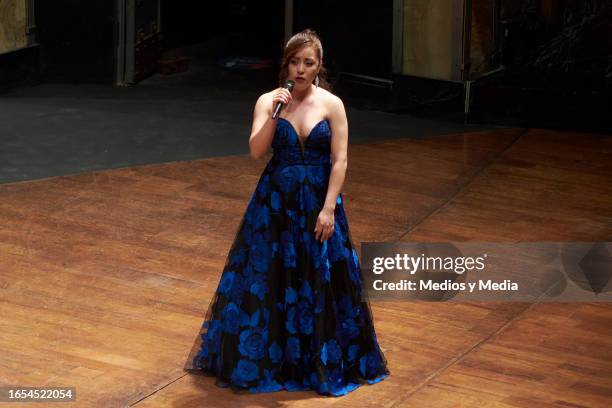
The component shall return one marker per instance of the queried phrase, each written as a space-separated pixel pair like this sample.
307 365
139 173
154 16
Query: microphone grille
289 85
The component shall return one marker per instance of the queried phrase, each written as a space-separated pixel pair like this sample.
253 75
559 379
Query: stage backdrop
430 39
12 25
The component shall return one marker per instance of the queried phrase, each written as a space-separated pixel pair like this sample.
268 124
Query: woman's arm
339 127
262 131
339 147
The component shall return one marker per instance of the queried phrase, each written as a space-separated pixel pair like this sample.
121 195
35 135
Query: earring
317 81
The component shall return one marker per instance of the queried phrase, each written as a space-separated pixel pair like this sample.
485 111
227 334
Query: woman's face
303 67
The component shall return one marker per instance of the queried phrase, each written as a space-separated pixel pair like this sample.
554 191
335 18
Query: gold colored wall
428 38
12 25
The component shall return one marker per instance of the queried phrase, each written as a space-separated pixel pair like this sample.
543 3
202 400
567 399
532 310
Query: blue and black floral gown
289 312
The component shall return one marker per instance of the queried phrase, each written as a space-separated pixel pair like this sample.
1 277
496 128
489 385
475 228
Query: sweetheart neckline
299 138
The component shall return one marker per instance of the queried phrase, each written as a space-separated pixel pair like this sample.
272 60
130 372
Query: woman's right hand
281 95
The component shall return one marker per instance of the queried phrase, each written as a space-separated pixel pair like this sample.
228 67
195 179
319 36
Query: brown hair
305 38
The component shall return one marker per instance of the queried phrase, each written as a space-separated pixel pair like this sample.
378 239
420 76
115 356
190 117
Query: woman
289 311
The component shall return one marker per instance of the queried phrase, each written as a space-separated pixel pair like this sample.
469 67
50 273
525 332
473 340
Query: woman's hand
281 95
325 225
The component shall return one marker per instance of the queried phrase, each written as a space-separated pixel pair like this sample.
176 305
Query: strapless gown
289 312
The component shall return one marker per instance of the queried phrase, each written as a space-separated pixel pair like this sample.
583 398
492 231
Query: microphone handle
277 110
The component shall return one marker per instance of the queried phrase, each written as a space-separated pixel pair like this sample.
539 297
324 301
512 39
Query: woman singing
289 311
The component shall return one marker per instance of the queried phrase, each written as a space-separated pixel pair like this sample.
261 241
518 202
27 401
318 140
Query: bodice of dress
288 148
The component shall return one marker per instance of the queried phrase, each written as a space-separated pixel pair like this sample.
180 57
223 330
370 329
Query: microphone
279 105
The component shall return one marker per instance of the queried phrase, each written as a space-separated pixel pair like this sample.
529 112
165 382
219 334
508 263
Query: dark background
556 55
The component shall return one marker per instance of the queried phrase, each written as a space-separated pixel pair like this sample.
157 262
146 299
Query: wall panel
13 23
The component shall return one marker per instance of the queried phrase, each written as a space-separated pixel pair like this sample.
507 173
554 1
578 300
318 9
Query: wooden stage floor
105 276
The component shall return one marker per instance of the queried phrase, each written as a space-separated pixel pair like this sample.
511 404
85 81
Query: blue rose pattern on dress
288 313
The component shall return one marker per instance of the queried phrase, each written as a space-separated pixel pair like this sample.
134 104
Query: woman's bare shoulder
267 96
264 101
332 102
